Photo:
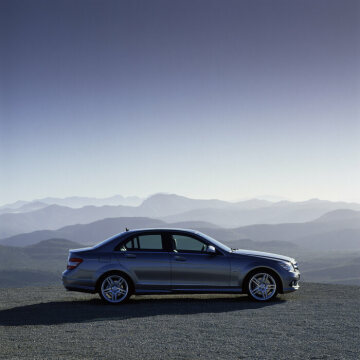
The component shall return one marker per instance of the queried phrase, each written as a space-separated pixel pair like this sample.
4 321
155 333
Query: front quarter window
183 243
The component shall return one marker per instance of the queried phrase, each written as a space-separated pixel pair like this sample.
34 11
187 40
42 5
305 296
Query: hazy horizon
269 198
207 99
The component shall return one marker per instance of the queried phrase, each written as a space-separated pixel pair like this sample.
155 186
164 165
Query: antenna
126 229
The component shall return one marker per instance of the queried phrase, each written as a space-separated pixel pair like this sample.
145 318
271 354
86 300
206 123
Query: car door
193 268
147 258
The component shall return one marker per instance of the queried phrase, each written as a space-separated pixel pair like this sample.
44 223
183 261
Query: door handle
132 256
179 258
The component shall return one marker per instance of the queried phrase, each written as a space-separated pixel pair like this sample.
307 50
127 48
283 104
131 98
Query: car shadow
80 311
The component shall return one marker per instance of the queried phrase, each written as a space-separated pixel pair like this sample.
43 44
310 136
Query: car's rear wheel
115 289
262 286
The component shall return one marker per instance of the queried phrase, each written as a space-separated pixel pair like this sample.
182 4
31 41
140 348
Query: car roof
161 229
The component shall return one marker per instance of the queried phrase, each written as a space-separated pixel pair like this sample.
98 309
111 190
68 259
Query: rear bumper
72 283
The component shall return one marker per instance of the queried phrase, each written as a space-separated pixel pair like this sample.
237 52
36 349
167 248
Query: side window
183 243
150 242
144 242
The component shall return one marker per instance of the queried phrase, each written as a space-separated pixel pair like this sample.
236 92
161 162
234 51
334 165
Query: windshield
215 242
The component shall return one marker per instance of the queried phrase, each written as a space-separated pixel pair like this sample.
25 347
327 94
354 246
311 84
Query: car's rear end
81 266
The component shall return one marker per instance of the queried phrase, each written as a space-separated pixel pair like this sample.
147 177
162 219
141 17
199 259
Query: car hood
263 255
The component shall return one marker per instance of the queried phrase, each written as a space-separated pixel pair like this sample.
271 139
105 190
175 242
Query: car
168 261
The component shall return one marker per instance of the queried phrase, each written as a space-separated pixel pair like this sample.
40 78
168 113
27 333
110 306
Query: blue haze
226 99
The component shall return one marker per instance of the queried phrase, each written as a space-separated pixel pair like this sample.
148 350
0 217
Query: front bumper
291 282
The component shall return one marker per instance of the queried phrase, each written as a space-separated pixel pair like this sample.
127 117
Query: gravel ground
317 322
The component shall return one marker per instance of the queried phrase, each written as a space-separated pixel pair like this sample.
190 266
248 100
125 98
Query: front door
193 268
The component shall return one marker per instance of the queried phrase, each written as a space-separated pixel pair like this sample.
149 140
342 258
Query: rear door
193 268
147 258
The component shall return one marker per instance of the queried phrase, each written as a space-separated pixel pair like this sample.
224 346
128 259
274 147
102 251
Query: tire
115 288
262 286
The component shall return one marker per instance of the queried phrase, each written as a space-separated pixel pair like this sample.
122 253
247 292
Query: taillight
73 263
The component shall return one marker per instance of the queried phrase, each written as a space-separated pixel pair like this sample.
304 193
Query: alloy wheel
262 286
114 289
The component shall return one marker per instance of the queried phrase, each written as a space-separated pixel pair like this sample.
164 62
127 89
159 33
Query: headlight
287 266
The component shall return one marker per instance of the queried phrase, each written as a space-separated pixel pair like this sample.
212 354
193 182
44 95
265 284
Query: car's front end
290 275
284 268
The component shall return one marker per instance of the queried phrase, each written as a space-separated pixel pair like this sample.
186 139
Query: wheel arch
130 281
262 268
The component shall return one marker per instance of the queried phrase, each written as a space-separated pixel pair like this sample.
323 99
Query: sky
208 99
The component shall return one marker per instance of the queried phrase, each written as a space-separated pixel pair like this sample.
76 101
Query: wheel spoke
255 281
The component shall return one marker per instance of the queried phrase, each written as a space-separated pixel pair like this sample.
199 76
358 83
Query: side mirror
211 250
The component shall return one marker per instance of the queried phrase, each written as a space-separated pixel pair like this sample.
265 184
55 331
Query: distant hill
76 202
28 257
27 207
337 231
342 239
332 269
343 215
168 204
38 264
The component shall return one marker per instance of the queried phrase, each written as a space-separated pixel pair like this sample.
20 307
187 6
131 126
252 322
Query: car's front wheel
115 289
262 286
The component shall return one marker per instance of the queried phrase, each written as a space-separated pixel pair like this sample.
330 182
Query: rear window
144 242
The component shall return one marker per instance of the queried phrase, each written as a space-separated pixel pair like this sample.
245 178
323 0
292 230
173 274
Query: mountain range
338 230
169 208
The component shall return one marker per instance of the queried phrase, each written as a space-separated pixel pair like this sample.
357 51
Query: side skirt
190 291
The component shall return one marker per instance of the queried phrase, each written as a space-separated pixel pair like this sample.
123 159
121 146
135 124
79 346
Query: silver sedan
163 261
